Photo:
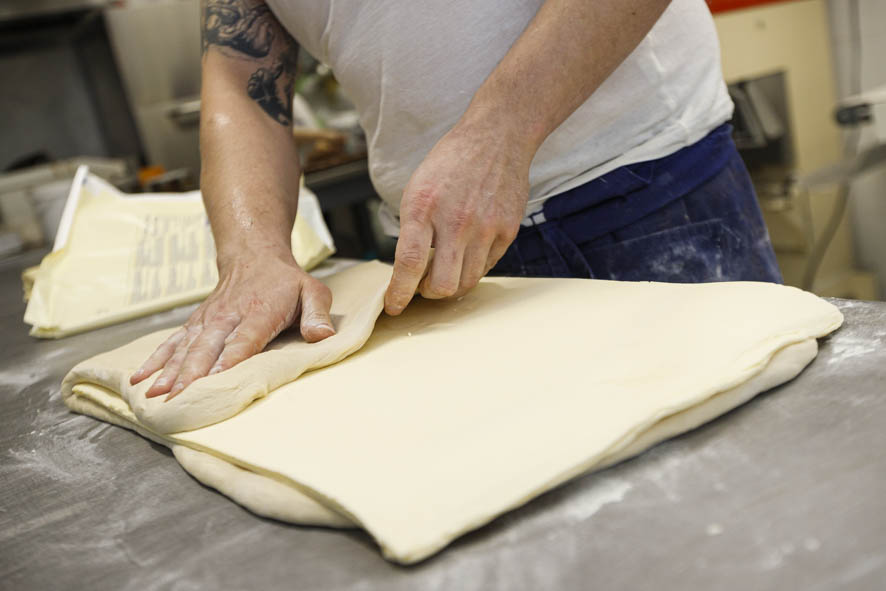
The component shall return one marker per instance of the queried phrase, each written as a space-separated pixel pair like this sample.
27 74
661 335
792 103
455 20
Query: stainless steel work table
786 492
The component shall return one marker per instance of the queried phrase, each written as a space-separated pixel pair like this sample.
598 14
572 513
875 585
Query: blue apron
689 217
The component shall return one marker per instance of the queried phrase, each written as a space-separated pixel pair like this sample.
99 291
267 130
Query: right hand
256 298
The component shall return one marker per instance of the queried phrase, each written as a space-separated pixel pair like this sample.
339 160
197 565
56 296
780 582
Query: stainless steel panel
157 47
169 138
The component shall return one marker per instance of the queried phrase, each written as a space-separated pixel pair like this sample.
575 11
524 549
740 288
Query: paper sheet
119 256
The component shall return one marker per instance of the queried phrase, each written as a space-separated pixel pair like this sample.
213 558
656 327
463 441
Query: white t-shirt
412 66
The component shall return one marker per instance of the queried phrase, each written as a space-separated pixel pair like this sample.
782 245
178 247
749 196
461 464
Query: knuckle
318 289
192 324
221 318
246 345
235 355
509 232
471 279
469 284
462 219
274 329
411 260
170 345
313 316
420 204
232 357
199 351
444 288
237 338
489 229
254 303
178 356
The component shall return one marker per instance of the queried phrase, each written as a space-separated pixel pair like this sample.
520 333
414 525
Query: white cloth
412 66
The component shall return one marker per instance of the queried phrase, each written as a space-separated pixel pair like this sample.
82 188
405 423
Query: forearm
250 171
563 56
249 177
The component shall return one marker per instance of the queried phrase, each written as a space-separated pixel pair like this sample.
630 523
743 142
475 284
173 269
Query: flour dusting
584 505
849 347
23 378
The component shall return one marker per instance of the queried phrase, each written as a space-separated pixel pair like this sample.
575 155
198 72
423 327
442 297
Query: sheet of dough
458 411
357 301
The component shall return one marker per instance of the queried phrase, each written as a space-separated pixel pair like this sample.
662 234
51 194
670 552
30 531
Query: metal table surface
786 492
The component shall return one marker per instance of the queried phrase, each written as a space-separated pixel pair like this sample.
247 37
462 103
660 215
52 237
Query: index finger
159 357
410 262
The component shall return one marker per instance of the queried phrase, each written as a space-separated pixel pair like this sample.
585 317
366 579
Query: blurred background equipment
779 62
121 81
161 75
32 198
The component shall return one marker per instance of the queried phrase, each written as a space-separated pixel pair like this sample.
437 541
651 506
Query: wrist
488 133
504 123
240 254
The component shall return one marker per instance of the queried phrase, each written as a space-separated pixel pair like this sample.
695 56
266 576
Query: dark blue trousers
690 217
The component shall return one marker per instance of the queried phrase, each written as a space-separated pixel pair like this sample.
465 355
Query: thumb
316 299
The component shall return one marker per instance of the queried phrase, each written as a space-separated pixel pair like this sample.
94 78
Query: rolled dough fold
457 411
221 396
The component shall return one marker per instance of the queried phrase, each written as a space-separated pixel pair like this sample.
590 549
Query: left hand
466 200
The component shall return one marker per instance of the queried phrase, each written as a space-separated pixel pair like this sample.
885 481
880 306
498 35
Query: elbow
215 120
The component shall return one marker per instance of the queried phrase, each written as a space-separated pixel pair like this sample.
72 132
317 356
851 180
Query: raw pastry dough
460 410
358 300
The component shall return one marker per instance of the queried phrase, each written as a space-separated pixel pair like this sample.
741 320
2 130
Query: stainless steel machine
157 48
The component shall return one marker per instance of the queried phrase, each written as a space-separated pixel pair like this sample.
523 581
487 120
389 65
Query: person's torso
411 68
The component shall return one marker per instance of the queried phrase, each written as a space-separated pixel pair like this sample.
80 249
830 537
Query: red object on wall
724 5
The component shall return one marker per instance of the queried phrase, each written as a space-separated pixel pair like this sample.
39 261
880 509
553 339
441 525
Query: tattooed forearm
234 24
247 29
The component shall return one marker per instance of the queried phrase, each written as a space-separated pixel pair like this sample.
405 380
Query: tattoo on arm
247 30
264 87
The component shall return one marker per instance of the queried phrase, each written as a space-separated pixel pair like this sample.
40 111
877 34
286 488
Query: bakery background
103 98
116 85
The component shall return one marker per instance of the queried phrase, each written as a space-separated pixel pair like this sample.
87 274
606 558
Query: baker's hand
256 298
466 199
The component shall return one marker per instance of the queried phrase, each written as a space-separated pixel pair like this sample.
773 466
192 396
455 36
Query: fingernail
324 326
138 373
161 383
215 369
178 387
